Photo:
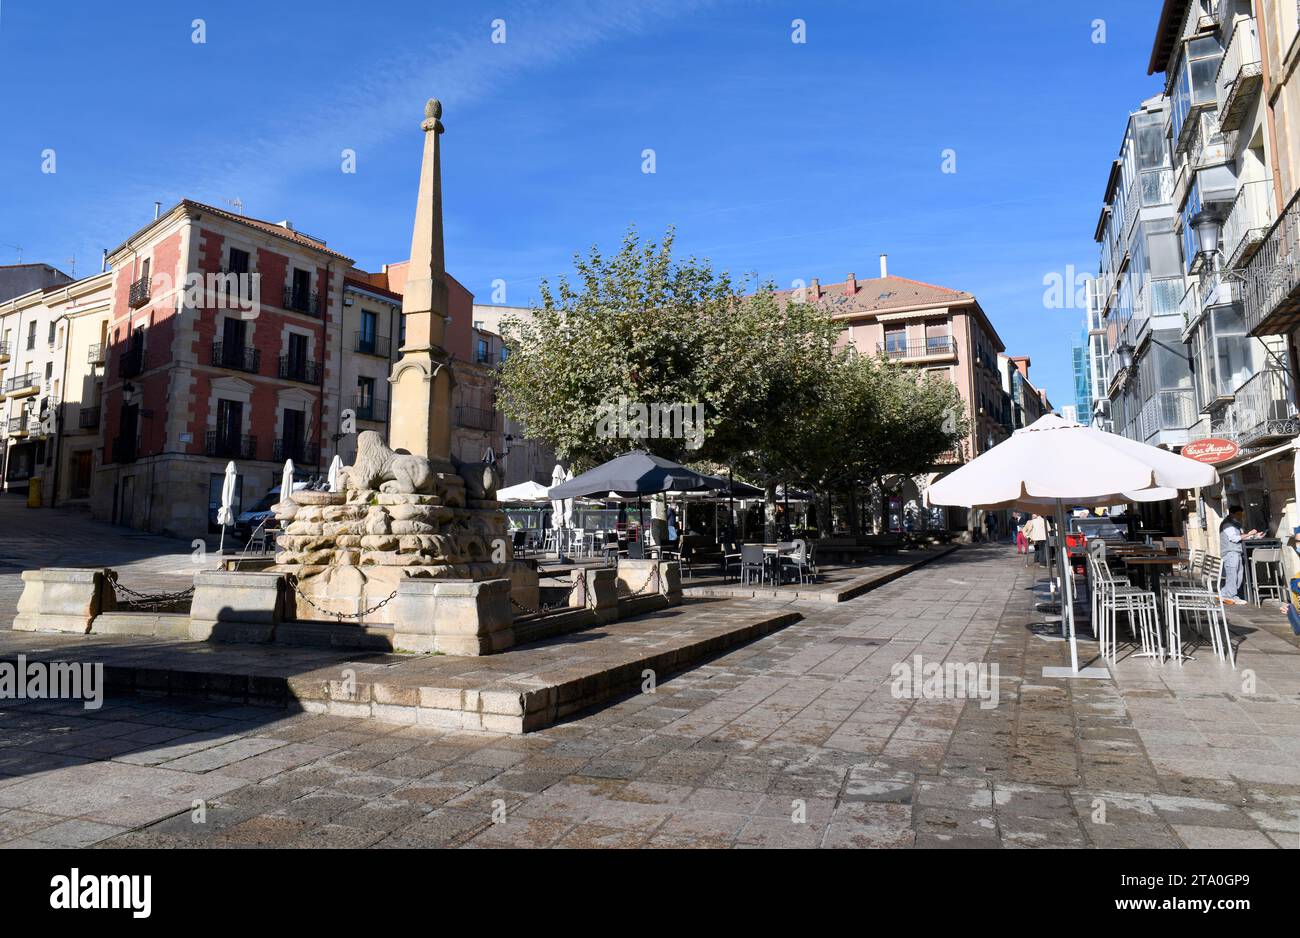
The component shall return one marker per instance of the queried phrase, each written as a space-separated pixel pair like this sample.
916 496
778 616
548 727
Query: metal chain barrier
652 578
145 600
293 581
562 604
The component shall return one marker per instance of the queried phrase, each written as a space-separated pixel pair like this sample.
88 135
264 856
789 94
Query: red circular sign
1212 450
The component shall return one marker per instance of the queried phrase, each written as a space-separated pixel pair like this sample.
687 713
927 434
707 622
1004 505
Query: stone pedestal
236 607
455 617
599 592
63 599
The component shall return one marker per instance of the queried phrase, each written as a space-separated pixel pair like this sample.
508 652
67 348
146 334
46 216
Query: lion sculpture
378 467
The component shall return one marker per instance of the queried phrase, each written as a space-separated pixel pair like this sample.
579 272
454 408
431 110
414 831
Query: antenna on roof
16 247
72 266
238 204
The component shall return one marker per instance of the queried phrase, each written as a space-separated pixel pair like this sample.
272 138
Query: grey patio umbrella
635 473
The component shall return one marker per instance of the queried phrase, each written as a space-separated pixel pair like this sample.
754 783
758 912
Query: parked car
260 513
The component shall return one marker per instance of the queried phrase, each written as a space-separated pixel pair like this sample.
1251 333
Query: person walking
1036 533
1022 546
991 526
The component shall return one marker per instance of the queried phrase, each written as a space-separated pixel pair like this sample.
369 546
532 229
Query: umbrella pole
1067 587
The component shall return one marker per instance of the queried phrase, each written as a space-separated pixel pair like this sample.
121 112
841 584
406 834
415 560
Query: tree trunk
769 512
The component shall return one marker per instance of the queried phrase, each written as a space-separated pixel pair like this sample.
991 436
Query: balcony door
297 355
230 426
895 340
366 398
369 322
233 334
295 434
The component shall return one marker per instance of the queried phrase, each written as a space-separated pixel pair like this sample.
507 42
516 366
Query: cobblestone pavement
795 740
52 537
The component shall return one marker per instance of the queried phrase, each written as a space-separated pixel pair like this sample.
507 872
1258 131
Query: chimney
850 285
157 210
103 261
1022 365
815 289
884 266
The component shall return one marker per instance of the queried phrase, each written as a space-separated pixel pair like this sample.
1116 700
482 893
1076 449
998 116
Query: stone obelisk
422 379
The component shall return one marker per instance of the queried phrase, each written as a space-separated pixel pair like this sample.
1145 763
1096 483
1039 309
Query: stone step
517 691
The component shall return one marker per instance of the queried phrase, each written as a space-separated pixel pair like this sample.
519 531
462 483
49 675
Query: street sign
1211 450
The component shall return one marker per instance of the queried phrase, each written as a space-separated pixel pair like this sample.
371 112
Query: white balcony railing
1248 221
1264 408
1167 411
1240 73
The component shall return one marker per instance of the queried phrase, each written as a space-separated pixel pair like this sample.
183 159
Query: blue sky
781 159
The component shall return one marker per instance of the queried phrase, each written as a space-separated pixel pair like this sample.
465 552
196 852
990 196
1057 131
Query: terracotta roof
267 226
885 294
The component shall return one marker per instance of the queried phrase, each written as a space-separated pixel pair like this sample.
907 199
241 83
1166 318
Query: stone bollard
670 581
455 617
63 599
236 607
599 592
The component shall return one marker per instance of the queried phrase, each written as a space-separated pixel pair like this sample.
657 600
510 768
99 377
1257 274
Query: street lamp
1124 352
1207 226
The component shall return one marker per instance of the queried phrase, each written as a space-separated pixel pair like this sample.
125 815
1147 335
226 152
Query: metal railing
239 357
1265 408
302 452
369 408
230 446
936 345
302 301
139 292
1248 220
476 418
1272 278
18 425
23 382
1240 73
372 344
88 418
292 368
131 362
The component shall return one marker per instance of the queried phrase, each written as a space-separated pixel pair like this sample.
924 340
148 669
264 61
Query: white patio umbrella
226 513
529 492
568 502
286 483
335 474
1053 463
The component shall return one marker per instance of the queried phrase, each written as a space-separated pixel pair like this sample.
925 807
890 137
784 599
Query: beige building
51 383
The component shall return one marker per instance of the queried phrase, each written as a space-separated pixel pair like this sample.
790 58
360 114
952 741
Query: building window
895 339
31 336
938 336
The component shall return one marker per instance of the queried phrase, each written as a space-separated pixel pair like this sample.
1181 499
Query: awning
1284 448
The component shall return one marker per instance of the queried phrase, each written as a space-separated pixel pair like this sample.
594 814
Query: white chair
1115 595
753 562
796 561
1273 585
1205 607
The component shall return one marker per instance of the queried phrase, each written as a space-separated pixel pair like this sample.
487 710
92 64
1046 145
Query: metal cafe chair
796 561
1205 606
753 561
731 556
1115 595
1273 585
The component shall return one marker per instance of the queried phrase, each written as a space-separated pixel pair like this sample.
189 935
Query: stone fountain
409 515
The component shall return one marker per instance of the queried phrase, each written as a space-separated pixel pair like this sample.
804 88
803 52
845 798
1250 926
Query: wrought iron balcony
23 385
1247 222
369 408
95 355
299 369
230 446
124 449
131 362
475 418
372 344
18 425
1271 291
1264 409
934 347
302 301
239 357
302 452
139 294
1240 74
88 418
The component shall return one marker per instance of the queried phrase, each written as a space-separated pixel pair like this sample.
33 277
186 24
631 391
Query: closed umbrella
286 483
1055 462
335 475
226 513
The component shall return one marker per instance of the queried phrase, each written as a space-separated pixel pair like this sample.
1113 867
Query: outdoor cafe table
1147 564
